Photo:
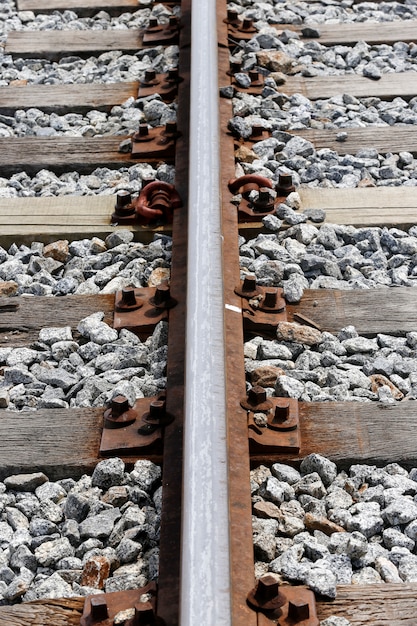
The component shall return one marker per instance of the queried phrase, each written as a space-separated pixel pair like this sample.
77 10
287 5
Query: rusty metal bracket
273 423
237 28
268 198
166 85
134 430
262 307
130 608
155 143
285 605
162 34
141 309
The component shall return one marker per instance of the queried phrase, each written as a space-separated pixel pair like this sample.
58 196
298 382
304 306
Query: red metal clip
157 201
249 211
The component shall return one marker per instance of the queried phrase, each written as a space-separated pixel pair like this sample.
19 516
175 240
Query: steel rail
205 567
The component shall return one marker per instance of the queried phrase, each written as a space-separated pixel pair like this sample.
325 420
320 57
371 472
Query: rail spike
156 202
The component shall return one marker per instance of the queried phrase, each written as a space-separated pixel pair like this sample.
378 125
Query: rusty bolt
270 298
173 21
123 209
173 75
123 199
128 301
119 413
281 414
119 405
153 22
298 611
99 609
248 288
247 24
150 76
170 128
257 130
266 595
265 200
232 15
144 615
285 185
162 298
235 67
256 400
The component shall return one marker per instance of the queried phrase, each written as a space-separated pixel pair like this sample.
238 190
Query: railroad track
206 426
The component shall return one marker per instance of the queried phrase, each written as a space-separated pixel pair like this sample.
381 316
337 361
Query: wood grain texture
82 7
58 442
373 605
64 98
371 311
350 33
71 217
22 326
60 612
54 44
398 138
388 86
353 432
63 153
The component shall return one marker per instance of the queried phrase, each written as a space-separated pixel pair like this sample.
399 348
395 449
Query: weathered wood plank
373 605
58 442
64 98
388 86
34 313
371 311
54 44
83 7
47 219
354 432
369 206
83 154
398 138
350 33
61 612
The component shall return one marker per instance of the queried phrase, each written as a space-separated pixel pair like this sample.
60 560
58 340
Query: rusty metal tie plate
161 34
137 431
156 144
263 312
101 609
142 315
162 85
275 429
282 605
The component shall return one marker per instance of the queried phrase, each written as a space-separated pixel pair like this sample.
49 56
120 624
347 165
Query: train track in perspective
283 342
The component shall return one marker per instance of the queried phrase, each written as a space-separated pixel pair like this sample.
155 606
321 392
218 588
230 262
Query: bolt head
298 611
99 609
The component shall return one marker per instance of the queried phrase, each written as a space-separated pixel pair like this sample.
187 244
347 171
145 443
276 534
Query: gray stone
51 552
108 473
99 526
326 469
25 482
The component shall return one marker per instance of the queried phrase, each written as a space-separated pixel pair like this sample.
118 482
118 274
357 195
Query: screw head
256 400
298 611
248 288
266 596
162 298
128 301
99 610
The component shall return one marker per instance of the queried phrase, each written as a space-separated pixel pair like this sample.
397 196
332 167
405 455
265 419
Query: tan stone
8 288
18 82
266 376
158 276
245 155
267 510
278 77
366 182
95 572
379 380
275 61
57 250
316 522
290 331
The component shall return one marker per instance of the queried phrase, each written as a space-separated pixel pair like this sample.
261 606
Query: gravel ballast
321 527
75 538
